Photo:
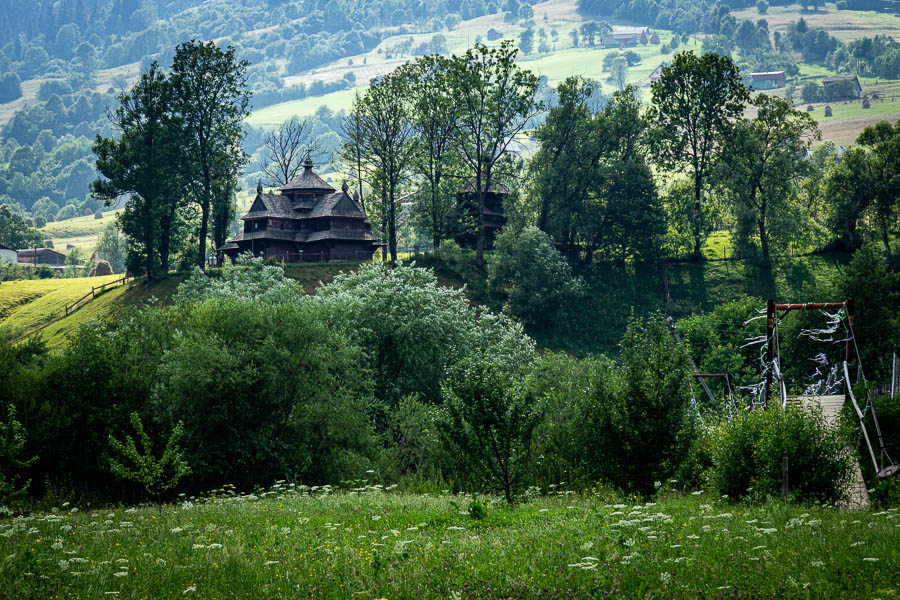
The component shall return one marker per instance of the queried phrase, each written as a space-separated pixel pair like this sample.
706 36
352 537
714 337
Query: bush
539 285
748 449
12 442
489 419
413 330
637 429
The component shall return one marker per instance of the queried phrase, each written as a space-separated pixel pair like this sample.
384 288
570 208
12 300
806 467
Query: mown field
298 542
842 24
80 232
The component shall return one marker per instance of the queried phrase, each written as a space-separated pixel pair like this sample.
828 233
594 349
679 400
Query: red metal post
770 346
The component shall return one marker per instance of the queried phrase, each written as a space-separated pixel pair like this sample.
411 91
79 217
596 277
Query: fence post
784 477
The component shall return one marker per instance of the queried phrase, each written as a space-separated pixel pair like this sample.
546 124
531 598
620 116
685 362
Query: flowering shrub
749 448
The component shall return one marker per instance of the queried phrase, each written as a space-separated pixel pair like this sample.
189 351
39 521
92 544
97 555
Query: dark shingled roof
338 204
307 180
340 234
275 205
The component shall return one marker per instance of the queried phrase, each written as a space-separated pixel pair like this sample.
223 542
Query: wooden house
622 37
767 81
307 220
657 72
41 256
494 218
828 82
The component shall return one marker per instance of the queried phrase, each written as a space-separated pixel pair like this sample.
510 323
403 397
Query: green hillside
80 232
27 304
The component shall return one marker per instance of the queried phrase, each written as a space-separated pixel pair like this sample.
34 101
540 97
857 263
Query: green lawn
33 302
296 542
840 110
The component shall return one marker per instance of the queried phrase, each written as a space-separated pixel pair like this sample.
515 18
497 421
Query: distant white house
8 254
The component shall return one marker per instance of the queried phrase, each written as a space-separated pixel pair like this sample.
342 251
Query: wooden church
308 220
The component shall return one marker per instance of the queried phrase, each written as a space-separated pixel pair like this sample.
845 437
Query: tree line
610 178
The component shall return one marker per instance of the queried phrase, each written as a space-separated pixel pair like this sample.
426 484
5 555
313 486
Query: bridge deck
831 408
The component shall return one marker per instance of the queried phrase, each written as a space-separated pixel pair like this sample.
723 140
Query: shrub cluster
382 374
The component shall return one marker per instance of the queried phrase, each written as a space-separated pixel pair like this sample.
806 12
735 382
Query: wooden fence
70 308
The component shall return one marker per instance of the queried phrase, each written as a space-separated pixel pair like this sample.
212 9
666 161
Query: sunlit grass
27 303
299 542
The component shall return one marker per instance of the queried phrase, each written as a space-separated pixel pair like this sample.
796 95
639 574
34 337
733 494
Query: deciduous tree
143 162
496 98
766 155
694 103
209 89
386 144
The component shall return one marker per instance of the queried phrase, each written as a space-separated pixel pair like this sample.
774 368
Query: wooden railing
70 308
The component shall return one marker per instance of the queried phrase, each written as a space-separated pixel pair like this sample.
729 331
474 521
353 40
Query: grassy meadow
79 232
298 542
26 304
845 25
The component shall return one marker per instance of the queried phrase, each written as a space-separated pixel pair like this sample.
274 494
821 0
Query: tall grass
292 542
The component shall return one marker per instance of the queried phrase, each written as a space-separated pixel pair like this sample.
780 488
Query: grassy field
845 25
296 542
80 232
35 302
29 303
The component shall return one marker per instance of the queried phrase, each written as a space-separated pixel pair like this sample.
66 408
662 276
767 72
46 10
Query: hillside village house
308 220
8 254
41 256
657 72
625 36
767 81
829 81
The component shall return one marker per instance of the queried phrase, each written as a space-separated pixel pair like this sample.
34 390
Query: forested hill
62 62
124 31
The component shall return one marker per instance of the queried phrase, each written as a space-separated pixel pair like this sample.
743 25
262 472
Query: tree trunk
165 238
764 242
204 231
697 225
148 234
479 246
885 238
435 226
763 232
392 224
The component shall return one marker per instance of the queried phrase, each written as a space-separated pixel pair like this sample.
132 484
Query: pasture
845 25
80 232
29 303
293 541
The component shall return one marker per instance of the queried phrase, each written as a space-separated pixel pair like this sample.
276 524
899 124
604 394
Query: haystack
102 268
